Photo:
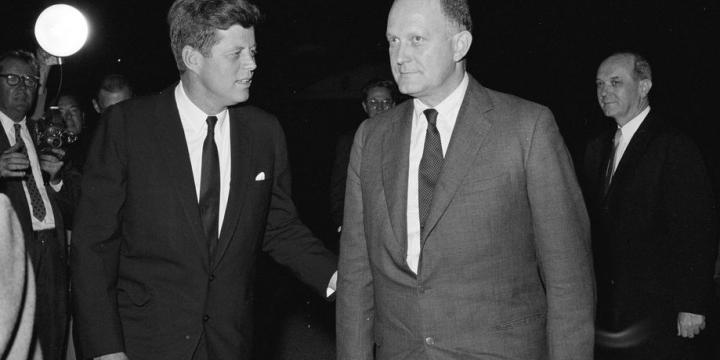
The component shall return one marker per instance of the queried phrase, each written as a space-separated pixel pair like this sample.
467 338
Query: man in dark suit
39 204
465 232
179 194
653 221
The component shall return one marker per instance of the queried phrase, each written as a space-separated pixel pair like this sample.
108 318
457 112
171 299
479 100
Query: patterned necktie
36 201
610 168
210 186
430 165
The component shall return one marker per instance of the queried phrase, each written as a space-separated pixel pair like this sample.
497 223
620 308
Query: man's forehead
409 13
17 66
67 101
616 67
379 91
235 35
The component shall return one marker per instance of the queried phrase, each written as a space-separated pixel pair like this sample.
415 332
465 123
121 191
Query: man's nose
251 64
602 90
402 53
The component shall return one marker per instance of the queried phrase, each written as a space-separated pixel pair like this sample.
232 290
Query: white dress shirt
447 115
8 125
195 127
628 130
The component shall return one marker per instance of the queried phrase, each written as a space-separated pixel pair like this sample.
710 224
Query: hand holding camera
14 162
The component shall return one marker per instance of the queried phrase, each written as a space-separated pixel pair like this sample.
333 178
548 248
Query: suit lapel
635 150
172 147
471 129
241 155
396 153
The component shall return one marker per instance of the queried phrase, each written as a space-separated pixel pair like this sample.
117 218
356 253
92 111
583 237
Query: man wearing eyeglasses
378 96
38 204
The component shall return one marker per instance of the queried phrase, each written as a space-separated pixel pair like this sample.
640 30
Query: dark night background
315 54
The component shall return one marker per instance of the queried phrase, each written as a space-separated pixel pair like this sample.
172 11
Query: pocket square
260 176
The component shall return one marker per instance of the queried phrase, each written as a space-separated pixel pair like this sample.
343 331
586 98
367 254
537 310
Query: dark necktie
430 165
210 186
611 161
36 201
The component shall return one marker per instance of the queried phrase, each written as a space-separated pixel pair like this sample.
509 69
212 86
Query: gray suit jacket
505 270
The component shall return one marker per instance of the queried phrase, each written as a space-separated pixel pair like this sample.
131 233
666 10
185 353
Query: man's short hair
114 83
390 85
193 23
458 13
21 55
641 66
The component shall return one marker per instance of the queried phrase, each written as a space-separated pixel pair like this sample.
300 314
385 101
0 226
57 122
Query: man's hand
51 164
689 325
45 60
115 356
13 163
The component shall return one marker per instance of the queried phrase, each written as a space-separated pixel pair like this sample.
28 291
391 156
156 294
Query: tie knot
211 121
431 116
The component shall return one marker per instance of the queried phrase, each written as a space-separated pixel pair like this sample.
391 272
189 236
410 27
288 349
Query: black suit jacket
653 232
143 280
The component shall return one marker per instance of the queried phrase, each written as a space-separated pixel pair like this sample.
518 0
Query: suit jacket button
206 318
212 277
429 341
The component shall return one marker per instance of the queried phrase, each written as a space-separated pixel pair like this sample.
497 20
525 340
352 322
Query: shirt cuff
332 285
57 187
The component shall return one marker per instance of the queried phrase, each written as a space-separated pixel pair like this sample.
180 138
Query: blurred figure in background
73 115
114 88
17 298
378 96
653 221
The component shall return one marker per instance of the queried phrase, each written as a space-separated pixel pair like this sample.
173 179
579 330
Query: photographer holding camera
41 195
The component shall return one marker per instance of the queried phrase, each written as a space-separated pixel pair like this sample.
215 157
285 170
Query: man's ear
364 105
645 86
461 44
192 58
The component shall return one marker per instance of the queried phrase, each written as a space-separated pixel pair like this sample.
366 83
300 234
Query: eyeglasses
380 104
30 81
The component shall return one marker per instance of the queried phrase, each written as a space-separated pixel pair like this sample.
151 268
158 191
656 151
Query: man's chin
240 97
409 89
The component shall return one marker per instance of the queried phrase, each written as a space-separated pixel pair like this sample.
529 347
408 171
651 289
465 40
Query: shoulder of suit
397 113
505 101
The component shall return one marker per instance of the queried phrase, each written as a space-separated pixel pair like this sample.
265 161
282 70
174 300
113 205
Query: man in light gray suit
465 233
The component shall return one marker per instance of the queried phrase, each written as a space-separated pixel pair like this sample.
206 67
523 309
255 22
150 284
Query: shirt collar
629 129
192 117
451 104
7 123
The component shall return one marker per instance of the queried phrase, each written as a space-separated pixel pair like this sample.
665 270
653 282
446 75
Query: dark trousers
49 261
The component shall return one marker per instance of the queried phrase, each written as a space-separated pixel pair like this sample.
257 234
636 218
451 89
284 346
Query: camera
51 132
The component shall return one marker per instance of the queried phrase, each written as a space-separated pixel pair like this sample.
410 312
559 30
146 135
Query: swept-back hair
21 55
193 23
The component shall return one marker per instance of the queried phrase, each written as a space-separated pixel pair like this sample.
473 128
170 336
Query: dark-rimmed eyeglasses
30 81
380 104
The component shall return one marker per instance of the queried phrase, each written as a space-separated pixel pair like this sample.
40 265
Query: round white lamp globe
61 30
